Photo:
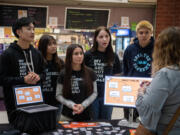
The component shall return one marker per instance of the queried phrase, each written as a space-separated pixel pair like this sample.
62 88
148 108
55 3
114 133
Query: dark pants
99 110
59 111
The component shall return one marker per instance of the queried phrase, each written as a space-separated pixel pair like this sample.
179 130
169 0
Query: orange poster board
122 91
25 95
79 124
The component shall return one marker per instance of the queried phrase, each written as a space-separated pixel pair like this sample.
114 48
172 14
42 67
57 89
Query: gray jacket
160 101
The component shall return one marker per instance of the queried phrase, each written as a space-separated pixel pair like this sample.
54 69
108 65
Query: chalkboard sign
86 18
10 13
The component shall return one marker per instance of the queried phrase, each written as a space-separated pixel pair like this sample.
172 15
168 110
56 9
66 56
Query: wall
135 14
167 14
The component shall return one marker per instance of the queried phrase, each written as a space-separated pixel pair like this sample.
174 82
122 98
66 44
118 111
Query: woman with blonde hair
158 102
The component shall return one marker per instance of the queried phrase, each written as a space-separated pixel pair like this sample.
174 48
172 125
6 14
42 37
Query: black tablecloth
6 129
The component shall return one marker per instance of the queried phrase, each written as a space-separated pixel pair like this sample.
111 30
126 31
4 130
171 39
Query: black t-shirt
96 61
49 84
78 94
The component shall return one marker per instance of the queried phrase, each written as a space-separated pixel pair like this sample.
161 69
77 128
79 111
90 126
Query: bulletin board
10 13
86 18
122 91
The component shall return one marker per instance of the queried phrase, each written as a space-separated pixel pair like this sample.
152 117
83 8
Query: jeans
100 111
60 106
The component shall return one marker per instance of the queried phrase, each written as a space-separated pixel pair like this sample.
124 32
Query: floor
3 117
117 114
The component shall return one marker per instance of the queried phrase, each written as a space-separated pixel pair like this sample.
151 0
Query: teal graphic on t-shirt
142 62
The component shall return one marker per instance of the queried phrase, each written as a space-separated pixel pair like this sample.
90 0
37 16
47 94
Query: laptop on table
29 99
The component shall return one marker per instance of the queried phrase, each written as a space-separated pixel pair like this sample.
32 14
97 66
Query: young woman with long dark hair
76 88
103 61
48 48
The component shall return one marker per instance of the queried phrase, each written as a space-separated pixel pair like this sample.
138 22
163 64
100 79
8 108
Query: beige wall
135 14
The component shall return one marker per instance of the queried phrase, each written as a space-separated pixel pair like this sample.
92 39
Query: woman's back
158 102
161 99
173 101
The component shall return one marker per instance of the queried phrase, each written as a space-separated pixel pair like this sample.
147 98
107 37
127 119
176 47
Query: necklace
31 61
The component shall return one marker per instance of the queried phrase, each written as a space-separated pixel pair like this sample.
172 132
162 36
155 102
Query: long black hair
109 50
68 72
44 41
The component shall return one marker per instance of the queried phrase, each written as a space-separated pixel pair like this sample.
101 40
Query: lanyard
31 61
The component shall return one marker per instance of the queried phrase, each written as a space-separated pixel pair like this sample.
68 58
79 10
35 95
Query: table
113 127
